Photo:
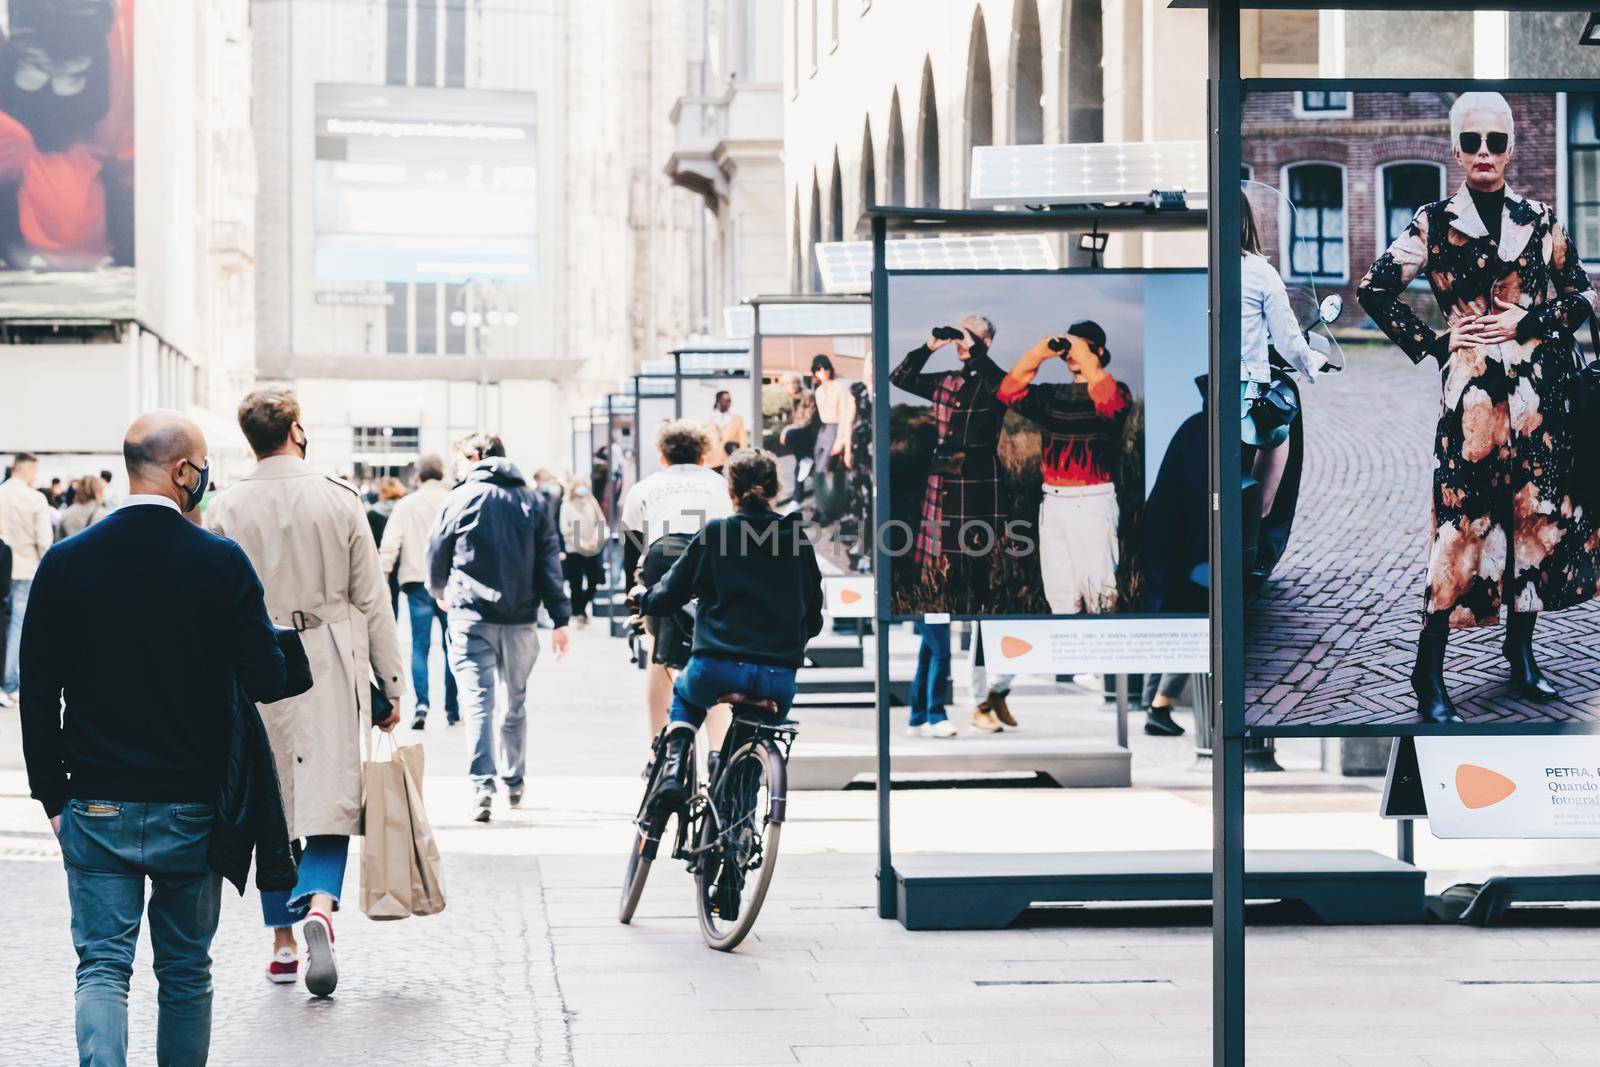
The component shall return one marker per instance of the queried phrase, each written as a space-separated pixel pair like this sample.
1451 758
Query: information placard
1099 645
1511 787
848 596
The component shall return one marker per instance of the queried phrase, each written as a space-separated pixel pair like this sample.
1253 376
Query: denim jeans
424 610
321 871
482 655
928 685
110 848
706 678
17 605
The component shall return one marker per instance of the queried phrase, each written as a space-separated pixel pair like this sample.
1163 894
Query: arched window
836 202
1084 48
928 139
1027 74
980 92
869 168
1406 187
1314 232
797 257
895 153
816 234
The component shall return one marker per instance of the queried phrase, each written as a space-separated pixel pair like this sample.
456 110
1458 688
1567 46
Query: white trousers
1078 548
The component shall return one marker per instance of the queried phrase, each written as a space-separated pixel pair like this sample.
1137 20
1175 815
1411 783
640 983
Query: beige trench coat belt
305 620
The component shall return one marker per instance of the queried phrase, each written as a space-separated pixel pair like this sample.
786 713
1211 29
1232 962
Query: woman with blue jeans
760 601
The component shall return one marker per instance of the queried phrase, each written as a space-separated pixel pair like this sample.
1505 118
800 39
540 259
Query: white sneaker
942 728
8 700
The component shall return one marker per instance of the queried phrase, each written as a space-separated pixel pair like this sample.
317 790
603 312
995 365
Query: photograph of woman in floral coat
1507 529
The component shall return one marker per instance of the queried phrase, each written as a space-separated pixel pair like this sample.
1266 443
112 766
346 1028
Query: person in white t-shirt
661 514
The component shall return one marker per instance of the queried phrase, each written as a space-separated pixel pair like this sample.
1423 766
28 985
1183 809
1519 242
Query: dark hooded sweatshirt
755 574
494 554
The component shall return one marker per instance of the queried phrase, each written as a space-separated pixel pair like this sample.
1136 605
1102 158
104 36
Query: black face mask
193 496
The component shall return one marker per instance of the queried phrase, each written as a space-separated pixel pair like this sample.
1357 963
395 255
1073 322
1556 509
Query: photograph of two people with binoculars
1020 424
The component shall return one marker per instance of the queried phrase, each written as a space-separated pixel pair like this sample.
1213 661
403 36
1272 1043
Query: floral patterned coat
1505 525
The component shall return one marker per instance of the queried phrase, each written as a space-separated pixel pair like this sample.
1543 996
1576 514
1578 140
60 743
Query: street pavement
527 964
1332 637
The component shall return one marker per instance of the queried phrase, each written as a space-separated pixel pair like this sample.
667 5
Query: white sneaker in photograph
942 728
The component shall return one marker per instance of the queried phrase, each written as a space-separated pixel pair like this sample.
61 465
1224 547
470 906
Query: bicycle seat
744 700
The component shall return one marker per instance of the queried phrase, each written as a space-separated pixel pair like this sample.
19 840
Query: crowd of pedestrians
156 645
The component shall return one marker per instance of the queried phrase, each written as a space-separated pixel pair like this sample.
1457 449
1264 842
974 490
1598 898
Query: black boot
1526 678
1427 680
672 782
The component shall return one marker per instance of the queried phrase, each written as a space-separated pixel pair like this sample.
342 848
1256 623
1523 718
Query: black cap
1090 331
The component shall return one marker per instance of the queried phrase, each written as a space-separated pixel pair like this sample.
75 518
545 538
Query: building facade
886 99
164 318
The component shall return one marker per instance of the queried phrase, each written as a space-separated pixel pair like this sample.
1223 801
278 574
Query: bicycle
727 833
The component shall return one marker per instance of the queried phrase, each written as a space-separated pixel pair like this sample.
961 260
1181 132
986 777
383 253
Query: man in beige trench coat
309 540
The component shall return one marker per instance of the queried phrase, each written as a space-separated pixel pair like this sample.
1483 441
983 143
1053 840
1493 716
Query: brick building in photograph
1357 166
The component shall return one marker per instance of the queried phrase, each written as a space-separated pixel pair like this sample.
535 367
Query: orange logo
1012 647
849 596
1479 787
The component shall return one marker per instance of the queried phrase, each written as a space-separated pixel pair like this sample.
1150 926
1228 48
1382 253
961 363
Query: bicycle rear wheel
740 836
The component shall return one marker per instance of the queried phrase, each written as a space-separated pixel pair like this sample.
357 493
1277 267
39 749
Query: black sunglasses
1498 142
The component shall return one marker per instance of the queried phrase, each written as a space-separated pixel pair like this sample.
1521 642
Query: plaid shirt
967 413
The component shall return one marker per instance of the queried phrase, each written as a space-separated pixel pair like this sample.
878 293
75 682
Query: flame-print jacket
1505 526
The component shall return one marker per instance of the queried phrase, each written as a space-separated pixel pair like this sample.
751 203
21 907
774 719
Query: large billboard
66 158
1036 419
1421 546
425 185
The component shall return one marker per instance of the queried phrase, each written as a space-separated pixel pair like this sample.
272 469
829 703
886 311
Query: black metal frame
882 221
1225 91
677 355
756 303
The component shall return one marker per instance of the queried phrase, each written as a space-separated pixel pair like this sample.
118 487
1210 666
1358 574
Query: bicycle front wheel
639 860
739 836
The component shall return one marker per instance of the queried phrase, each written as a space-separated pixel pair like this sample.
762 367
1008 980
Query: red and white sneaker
284 968
322 974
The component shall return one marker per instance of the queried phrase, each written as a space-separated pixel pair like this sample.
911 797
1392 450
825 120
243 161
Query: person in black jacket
492 560
143 625
760 600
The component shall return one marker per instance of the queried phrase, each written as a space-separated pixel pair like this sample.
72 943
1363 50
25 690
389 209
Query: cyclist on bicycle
760 601
662 513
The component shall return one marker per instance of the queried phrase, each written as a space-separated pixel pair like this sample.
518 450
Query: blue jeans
110 848
424 610
928 685
482 655
321 871
17 605
706 678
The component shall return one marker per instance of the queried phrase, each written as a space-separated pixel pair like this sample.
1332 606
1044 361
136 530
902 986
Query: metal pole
1405 849
888 906
1122 711
1227 557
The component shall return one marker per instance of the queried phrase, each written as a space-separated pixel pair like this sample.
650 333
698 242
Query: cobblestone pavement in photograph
1332 637
527 965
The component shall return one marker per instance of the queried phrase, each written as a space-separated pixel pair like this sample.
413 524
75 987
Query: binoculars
948 333
1060 344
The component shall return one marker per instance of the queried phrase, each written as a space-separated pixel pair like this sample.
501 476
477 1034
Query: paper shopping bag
427 873
386 848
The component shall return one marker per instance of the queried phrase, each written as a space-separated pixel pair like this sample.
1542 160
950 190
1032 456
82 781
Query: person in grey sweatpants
493 560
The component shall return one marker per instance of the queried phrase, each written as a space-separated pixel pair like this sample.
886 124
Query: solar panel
846 266
657 386
815 320
739 321
714 362
1117 173
621 405
659 366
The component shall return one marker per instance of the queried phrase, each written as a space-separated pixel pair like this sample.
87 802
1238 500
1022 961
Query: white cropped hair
1491 102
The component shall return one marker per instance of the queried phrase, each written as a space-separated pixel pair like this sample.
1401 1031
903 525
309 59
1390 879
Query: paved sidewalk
1332 637
528 965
